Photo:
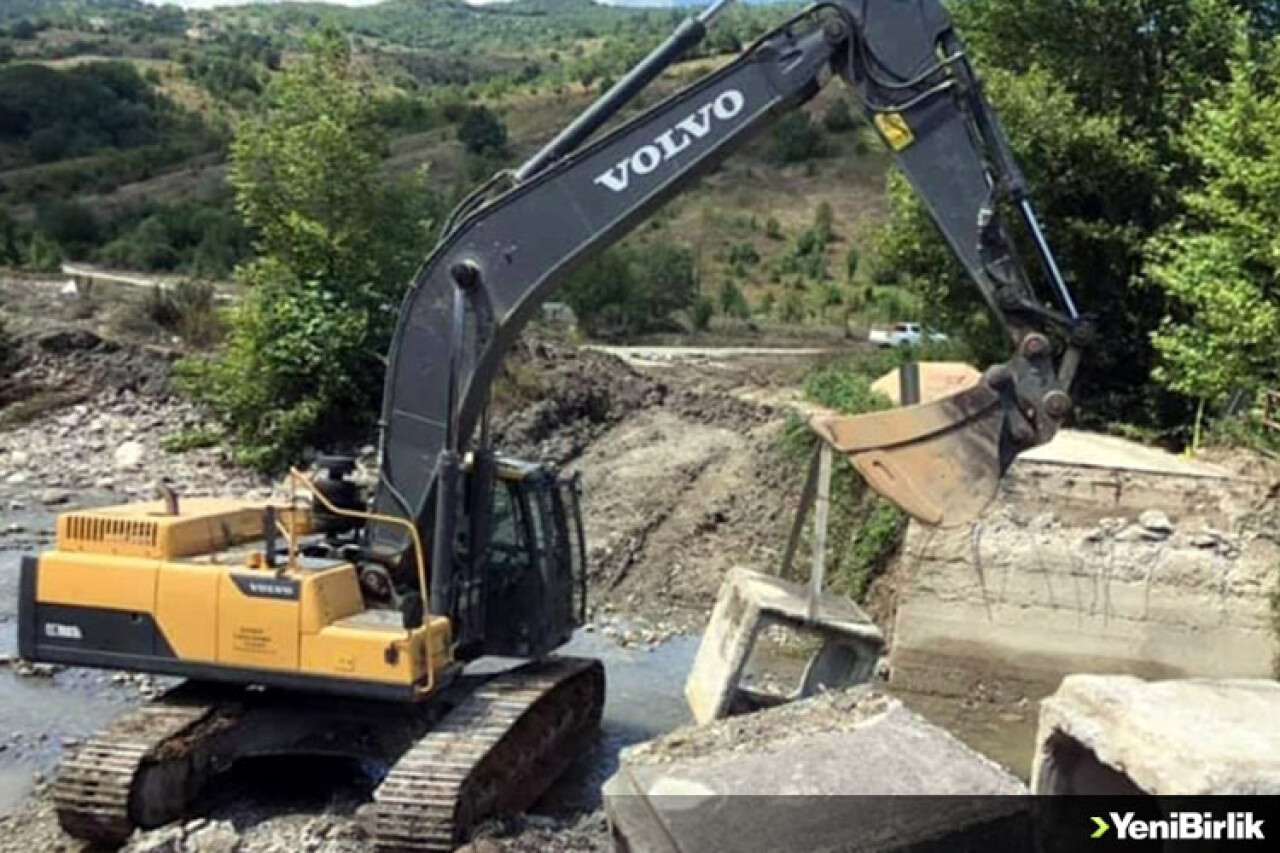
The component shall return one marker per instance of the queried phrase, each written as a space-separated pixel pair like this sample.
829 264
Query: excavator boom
518 238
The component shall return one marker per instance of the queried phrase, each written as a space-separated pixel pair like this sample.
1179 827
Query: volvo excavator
355 624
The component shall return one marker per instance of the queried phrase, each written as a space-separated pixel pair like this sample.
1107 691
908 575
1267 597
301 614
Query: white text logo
645 159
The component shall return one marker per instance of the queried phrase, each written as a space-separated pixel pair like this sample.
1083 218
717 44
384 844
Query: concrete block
750 603
836 772
1118 734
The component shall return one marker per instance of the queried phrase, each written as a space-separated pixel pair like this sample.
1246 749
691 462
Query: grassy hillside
116 119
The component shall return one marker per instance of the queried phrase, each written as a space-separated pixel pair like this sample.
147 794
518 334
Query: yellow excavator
346 625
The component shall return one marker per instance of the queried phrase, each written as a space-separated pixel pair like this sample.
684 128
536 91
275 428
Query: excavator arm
513 242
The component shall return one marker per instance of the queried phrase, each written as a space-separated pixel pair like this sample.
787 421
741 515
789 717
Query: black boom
518 239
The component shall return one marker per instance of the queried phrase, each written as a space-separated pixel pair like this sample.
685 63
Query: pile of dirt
69 365
682 478
573 396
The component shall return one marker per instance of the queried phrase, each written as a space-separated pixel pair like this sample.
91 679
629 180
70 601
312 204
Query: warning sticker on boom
895 130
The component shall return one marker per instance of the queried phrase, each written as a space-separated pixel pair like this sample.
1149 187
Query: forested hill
116 117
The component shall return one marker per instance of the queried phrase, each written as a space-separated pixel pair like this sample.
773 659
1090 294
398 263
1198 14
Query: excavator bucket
941 462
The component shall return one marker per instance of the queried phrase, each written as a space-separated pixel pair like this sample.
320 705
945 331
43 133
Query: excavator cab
527 592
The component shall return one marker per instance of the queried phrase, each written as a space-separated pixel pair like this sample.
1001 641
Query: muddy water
1005 733
39 717
644 698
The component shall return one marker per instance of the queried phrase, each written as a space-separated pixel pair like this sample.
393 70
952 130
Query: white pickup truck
903 335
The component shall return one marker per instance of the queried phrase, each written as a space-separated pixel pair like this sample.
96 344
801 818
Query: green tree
69 224
632 289
481 132
1220 262
336 243
732 302
1095 96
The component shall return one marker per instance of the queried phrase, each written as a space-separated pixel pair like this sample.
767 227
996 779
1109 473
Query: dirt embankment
682 476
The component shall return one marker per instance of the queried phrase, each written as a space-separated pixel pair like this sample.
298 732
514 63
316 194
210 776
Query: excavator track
496 752
148 749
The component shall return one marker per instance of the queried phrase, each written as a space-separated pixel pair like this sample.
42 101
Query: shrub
795 138
791 309
845 390
44 255
195 438
742 255
187 310
823 226
700 313
837 117
732 301
851 261
865 530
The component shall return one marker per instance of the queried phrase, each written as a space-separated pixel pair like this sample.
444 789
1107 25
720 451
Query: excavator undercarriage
487 745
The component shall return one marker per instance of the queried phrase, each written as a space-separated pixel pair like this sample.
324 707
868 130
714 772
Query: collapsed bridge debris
702 788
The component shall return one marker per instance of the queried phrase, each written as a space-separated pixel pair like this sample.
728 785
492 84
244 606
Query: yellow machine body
132 587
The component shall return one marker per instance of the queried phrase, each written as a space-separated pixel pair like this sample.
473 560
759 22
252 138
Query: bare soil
681 470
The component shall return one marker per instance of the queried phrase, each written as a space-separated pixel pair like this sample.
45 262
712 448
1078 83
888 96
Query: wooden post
817 575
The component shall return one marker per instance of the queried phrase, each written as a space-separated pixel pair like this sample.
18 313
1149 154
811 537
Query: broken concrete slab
1061 576
938 379
750 603
1119 734
765 782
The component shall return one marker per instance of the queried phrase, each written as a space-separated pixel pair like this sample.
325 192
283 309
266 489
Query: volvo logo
269 587
271 590
726 106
